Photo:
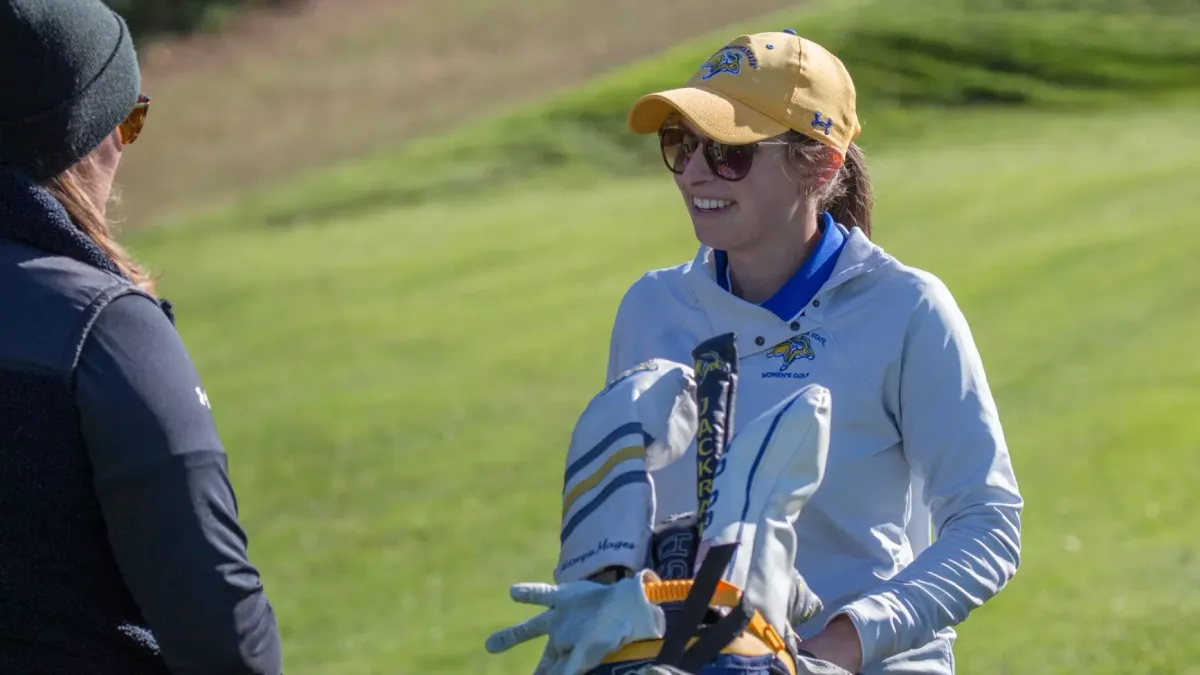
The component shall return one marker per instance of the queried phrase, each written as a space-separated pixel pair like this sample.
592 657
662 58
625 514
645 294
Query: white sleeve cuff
876 623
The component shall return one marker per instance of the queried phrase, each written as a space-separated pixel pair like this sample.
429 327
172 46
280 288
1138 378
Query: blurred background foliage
151 19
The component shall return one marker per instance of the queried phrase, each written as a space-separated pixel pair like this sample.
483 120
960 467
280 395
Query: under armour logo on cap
818 123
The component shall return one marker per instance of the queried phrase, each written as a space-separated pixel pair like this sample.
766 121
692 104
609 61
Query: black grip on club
715 363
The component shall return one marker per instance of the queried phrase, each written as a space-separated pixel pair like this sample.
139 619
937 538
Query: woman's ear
831 161
823 166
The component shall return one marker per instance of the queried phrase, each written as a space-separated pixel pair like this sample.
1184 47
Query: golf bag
710 631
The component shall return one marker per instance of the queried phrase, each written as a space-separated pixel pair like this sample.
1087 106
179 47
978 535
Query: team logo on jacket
798 348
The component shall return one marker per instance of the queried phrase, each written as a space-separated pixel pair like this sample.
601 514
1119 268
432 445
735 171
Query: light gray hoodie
916 442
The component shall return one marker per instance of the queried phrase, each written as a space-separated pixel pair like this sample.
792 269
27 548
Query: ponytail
847 196
851 201
70 189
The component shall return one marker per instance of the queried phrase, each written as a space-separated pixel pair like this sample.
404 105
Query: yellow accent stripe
635 651
745 644
766 632
632 452
742 645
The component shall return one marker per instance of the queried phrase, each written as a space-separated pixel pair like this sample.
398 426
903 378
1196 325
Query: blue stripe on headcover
589 456
627 478
762 449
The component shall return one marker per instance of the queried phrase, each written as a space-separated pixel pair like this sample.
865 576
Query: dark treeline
155 18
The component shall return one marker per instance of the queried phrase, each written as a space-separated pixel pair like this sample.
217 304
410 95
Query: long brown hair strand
70 188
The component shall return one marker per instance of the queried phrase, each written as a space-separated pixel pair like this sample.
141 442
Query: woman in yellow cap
761 145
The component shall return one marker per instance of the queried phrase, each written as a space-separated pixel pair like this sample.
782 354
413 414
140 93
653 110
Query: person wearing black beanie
120 545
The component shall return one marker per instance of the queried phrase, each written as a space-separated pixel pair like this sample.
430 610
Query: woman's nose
696 170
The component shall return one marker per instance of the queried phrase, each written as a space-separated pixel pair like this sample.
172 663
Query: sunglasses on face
728 162
131 128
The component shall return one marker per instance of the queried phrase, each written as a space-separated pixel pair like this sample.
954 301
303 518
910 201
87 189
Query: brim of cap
722 119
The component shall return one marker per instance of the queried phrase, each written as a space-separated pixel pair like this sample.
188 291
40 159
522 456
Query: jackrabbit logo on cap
728 60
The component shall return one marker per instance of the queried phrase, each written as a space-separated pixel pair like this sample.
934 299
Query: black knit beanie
68 77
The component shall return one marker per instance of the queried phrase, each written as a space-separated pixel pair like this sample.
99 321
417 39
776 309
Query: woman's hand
838 644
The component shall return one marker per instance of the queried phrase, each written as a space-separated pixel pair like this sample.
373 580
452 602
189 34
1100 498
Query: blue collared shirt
804 284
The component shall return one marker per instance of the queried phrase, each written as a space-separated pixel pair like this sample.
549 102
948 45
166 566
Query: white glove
642 421
586 622
771 469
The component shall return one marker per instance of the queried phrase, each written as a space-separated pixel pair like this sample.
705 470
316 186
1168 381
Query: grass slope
396 379
325 81
919 66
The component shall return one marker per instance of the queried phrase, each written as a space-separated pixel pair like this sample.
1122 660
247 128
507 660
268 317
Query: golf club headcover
642 421
772 468
674 545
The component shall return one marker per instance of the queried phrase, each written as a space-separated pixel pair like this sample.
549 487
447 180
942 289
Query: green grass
396 364
396 391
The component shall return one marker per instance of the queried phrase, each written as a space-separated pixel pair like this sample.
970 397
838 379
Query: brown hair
70 188
847 196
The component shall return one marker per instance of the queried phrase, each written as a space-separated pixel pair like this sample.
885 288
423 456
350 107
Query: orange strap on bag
725 595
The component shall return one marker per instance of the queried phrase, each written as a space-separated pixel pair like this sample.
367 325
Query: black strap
714 638
695 607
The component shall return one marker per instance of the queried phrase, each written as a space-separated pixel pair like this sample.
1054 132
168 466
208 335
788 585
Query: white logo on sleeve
203 398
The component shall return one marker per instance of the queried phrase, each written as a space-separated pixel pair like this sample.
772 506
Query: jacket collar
858 255
804 285
30 215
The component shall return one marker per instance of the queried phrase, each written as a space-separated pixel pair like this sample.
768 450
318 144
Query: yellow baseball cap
760 86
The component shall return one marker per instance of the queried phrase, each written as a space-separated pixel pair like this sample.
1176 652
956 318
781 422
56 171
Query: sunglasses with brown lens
728 162
131 128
